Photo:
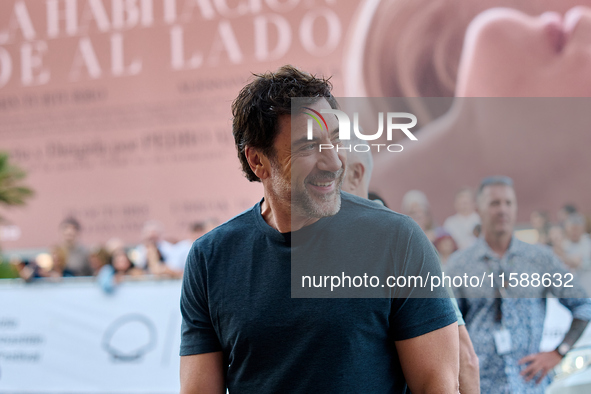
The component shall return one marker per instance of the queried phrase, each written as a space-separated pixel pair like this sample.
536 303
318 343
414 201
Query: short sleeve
573 298
197 332
421 310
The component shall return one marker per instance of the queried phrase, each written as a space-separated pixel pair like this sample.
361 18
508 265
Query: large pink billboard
120 110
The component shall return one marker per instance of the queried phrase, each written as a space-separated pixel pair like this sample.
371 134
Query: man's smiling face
310 178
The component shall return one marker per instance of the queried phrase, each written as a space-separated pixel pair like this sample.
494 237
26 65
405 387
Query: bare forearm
430 362
469 367
444 383
539 364
202 374
574 333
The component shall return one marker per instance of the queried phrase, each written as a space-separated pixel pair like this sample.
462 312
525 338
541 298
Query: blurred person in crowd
556 238
44 265
506 328
445 244
506 54
236 298
113 245
154 248
461 225
416 205
59 262
77 262
564 212
27 270
540 221
123 266
98 257
115 270
158 265
182 248
577 245
359 167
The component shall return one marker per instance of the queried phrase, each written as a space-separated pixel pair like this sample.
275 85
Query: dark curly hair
259 104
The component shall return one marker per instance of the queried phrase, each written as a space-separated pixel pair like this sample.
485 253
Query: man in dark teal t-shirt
243 327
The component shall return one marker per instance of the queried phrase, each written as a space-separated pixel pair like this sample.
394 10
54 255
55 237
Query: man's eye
308 147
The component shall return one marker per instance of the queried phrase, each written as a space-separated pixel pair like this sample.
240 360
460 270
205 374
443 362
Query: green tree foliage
12 191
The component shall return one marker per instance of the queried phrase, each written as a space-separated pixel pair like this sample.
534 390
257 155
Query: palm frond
12 192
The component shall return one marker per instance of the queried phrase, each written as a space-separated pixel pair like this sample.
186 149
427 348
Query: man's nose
330 160
505 208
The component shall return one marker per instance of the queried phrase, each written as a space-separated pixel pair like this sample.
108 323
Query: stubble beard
303 204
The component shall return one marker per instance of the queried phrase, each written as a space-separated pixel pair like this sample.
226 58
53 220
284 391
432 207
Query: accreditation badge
503 341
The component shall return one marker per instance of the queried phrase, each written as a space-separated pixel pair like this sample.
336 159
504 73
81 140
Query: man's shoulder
358 208
529 250
370 219
240 225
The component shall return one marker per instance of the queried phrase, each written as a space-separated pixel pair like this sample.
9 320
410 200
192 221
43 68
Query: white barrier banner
72 337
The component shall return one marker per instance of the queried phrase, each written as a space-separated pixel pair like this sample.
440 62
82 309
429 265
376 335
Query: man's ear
259 163
355 174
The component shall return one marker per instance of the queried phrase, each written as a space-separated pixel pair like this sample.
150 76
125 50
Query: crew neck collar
301 234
